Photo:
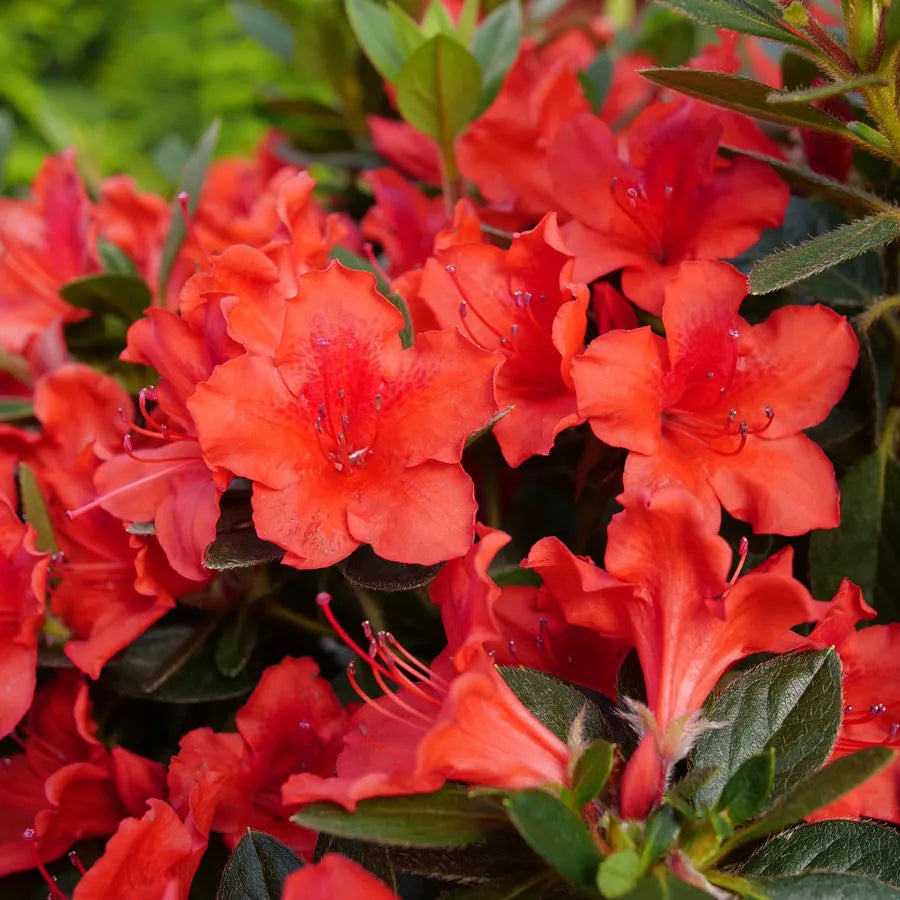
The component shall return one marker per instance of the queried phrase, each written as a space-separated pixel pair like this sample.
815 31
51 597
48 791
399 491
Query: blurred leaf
7 136
496 46
863 547
660 834
237 549
837 845
619 873
825 91
437 20
467 21
257 869
374 30
11 409
192 177
791 703
666 37
785 267
34 510
749 788
114 260
663 885
596 80
125 296
237 642
365 569
556 834
828 886
439 88
141 528
446 818
265 26
555 703
592 770
406 29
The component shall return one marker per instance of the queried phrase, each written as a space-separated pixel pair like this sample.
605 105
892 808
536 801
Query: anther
512 647
76 861
732 415
876 709
710 374
734 333
463 311
451 268
378 403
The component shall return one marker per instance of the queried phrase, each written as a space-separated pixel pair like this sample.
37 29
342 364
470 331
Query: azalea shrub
503 505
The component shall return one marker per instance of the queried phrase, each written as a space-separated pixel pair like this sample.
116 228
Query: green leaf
837 845
125 296
266 27
596 80
555 703
437 20
666 36
591 772
446 818
375 858
7 136
738 15
815 792
237 642
682 792
374 29
11 410
34 510
114 260
238 549
496 46
663 885
793 264
791 703
365 569
439 88
825 91
746 96
619 873
467 21
749 788
863 547
661 832
257 869
192 176
407 31
828 886
556 834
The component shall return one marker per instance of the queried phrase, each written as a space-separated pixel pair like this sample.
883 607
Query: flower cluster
290 423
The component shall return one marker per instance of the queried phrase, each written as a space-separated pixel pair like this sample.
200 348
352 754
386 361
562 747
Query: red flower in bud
667 592
292 722
523 303
348 438
673 200
719 405
335 876
65 786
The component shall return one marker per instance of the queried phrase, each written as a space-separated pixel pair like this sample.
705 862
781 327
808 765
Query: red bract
43 245
523 303
667 592
65 786
719 405
347 438
292 722
673 200
335 876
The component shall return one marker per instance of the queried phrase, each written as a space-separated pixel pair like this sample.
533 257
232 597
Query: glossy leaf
591 772
496 46
446 818
793 264
439 88
555 703
791 704
556 834
125 296
748 789
828 886
257 869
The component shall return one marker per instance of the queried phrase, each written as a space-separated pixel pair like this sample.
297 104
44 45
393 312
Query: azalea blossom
335 876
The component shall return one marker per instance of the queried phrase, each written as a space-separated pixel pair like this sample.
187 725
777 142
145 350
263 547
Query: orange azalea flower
673 200
666 591
348 438
335 876
719 405
523 303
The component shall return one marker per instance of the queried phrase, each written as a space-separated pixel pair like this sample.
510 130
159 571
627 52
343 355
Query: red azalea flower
292 722
667 592
454 720
673 200
347 438
65 786
523 303
412 152
335 876
719 405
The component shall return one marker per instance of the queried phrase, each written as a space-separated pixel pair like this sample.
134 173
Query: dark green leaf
791 703
365 569
237 549
266 26
825 91
796 263
815 792
555 703
596 79
237 642
439 88
828 886
591 772
354 261
496 46
372 25
663 885
191 181
837 845
745 96
666 37
661 832
446 818
11 410
682 792
738 15
556 834
34 510
619 873
373 858
863 547
125 296
257 869
749 788
114 260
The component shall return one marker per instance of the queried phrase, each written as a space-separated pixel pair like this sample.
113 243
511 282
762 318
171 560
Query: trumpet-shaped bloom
719 405
348 438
